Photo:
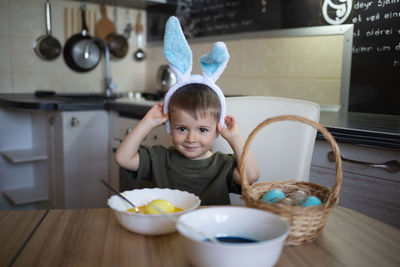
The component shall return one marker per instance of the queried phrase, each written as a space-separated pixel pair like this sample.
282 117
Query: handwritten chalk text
361 5
383 3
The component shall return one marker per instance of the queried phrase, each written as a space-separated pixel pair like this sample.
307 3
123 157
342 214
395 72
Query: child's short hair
197 99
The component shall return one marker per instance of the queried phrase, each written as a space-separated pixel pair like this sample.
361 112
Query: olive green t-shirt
211 179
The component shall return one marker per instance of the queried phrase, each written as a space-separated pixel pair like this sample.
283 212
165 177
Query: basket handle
331 140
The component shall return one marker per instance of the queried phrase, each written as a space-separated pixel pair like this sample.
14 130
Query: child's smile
193 138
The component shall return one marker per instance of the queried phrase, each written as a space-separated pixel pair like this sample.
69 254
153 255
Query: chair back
283 150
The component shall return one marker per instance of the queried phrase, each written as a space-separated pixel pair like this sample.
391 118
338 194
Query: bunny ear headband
179 57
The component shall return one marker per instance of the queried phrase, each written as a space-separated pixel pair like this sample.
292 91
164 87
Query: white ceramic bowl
268 229
151 224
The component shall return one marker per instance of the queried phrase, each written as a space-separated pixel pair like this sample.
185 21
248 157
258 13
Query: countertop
93 237
52 102
377 130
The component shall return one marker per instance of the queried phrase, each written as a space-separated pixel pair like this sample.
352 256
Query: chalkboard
375 71
375 77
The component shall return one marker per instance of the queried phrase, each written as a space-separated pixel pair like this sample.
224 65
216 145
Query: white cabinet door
158 136
81 156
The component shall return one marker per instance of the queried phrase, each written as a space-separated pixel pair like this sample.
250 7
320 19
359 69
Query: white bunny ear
214 63
177 50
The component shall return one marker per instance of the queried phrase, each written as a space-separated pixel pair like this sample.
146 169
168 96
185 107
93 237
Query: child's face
192 138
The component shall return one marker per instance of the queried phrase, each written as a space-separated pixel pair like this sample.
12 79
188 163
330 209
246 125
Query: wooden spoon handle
103 10
138 26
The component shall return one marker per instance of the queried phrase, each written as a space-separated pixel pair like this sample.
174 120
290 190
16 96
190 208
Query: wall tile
264 57
266 87
155 58
92 81
4 18
329 60
127 64
27 18
319 57
231 86
128 83
5 54
30 82
234 67
5 83
321 91
258 67
300 57
24 58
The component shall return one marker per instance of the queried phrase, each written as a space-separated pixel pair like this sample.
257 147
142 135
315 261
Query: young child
194 115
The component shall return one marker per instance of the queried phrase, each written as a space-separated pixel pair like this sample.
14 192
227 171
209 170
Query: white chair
283 150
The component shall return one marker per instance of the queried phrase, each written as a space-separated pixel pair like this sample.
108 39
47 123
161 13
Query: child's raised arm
127 155
232 135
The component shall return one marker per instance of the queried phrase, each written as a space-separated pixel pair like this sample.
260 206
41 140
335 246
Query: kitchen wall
307 68
22 71
298 67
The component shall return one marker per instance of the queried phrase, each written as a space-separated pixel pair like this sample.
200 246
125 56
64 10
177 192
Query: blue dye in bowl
233 239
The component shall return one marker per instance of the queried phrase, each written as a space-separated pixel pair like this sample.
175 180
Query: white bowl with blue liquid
248 237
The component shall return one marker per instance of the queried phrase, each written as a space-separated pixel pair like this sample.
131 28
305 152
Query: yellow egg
162 204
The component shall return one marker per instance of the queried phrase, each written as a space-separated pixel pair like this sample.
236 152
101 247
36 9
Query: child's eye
203 130
181 129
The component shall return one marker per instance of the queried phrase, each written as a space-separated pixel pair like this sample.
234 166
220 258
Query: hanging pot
46 46
80 54
117 43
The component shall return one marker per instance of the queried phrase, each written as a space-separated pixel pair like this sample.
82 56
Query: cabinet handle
74 122
52 120
392 166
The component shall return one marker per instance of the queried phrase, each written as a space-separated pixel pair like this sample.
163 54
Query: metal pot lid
165 78
86 58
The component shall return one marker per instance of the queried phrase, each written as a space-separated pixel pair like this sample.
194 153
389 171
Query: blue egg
273 196
311 201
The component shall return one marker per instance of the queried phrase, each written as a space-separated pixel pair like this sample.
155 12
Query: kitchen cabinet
79 142
54 156
369 190
24 163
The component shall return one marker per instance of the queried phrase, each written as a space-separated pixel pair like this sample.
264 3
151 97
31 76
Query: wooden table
15 229
93 237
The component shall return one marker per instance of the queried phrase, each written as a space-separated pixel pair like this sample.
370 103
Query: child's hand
155 116
232 135
231 131
127 155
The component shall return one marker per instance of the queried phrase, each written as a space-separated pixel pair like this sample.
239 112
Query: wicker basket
306 223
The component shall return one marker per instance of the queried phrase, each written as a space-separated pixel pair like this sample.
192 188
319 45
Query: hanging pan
117 43
46 46
80 53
